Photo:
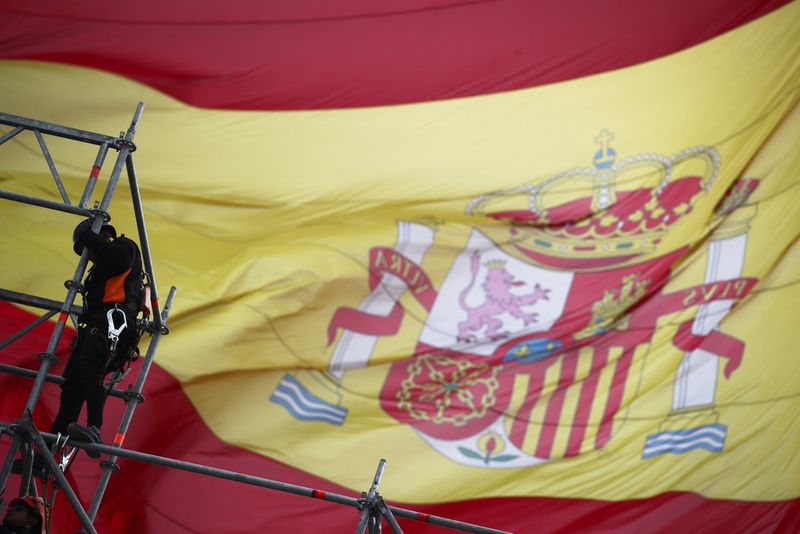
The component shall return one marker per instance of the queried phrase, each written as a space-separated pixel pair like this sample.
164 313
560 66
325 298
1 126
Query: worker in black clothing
111 299
107 332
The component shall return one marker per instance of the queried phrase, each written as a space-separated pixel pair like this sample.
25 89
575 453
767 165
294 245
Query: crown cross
603 191
606 155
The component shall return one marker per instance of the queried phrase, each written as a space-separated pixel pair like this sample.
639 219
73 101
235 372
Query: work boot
85 434
39 467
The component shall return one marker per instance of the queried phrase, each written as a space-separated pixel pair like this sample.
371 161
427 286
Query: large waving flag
542 257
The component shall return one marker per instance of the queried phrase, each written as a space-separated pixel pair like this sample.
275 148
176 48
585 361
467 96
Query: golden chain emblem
445 390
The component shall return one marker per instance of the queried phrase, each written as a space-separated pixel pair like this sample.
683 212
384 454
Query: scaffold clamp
49 356
79 287
102 213
111 466
121 142
130 395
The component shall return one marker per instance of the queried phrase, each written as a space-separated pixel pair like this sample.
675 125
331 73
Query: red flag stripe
169 423
615 396
554 407
317 54
523 419
585 401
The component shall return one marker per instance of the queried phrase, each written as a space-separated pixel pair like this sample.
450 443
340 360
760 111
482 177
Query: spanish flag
542 257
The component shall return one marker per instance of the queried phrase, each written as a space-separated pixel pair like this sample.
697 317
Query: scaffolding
28 440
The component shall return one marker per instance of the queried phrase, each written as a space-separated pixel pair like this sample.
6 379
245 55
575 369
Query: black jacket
114 278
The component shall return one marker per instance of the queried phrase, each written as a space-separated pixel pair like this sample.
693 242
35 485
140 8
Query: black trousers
83 376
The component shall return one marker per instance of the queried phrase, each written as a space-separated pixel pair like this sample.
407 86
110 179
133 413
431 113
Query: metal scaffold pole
304 491
133 398
29 441
124 146
23 432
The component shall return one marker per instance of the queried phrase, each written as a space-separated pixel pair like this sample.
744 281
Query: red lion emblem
497 287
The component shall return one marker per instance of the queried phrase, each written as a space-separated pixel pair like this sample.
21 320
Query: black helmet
86 226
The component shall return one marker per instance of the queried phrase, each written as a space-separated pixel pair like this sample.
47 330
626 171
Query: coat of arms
530 340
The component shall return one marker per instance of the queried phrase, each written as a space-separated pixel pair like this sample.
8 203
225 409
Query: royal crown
632 204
